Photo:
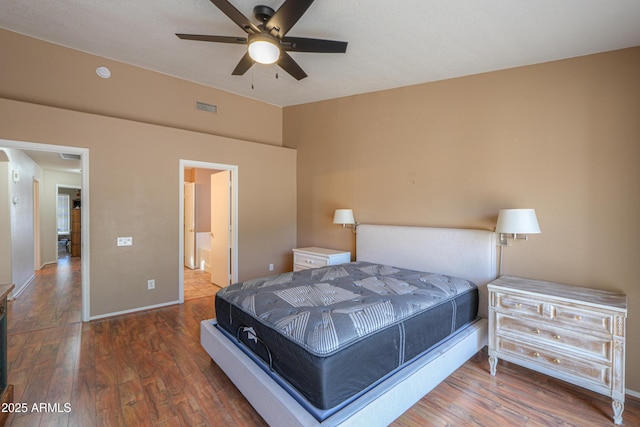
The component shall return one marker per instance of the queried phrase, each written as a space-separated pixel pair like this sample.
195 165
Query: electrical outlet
125 241
151 284
270 267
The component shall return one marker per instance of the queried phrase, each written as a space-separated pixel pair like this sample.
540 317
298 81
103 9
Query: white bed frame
470 254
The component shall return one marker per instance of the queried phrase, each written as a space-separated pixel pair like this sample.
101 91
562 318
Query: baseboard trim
15 294
133 310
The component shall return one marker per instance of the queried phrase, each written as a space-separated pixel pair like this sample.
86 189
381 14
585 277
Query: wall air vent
206 107
67 156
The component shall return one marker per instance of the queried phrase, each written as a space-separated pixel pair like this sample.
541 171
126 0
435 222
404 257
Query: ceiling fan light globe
264 52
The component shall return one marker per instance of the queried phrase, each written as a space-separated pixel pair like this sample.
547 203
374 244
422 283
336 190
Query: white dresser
571 333
312 257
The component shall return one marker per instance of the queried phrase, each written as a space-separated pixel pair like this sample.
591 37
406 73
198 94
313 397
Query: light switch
125 241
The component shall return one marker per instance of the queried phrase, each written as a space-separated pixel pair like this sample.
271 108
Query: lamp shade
517 221
343 216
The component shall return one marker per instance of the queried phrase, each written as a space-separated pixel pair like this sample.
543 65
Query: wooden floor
148 369
197 284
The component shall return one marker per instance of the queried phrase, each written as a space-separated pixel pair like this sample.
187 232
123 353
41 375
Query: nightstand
312 257
571 333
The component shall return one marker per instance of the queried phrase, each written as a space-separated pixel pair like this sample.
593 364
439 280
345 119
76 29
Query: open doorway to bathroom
209 232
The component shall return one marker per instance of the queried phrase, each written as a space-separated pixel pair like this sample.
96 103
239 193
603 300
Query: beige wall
137 126
203 198
134 191
43 73
5 220
21 217
561 137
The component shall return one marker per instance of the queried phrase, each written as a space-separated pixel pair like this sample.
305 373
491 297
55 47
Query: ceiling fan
267 41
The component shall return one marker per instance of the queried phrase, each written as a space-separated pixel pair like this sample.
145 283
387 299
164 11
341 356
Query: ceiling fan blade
300 44
217 39
236 16
287 63
286 17
245 63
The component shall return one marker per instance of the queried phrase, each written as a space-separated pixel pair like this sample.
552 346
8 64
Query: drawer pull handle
578 317
536 354
556 361
536 331
557 337
518 305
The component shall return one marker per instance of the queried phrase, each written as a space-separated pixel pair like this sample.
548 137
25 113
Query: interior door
190 225
221 228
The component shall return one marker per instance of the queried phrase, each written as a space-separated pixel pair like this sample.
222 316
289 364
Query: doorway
43 212
68 222
208 228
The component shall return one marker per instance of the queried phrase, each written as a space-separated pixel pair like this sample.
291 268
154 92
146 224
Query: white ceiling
391 43
54 161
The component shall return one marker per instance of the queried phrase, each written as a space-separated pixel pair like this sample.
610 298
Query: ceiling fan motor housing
263 13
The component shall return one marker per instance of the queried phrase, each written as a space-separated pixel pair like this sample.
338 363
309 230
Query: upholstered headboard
465 253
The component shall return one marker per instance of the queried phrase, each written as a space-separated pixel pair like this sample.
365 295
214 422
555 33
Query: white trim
234 217
44 264
633 393
85 251
22 288
133 310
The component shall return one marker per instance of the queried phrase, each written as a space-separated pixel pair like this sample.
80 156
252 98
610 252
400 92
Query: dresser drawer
566 367
518 304
591 319
571 316
303 261
547 333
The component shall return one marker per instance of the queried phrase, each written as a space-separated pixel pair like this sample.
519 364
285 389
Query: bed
330 384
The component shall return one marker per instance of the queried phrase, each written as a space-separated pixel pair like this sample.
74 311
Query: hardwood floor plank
83 398
149 369
159 401
133 403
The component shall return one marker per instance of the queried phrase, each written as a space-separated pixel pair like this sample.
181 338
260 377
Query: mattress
333 332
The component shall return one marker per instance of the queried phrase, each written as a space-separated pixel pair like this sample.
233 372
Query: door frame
192 264
184 163
37 252
85 232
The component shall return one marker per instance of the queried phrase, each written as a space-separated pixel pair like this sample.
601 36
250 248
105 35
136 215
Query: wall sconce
345 217
515 224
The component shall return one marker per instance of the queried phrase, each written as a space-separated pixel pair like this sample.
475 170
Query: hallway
146 368
52 300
